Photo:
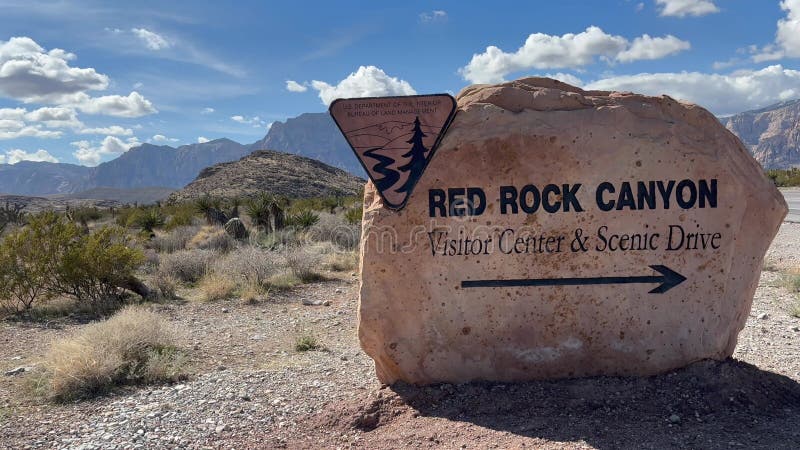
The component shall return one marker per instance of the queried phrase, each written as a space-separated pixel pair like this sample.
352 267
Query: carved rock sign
559 232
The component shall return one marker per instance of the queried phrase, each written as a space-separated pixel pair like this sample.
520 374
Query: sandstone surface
649 264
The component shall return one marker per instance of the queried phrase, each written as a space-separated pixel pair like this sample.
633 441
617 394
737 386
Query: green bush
148 219
84 215
302 220
353 216
785 177
179 216
51 257
307 343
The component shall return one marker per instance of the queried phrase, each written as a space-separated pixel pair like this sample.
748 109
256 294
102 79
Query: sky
82 82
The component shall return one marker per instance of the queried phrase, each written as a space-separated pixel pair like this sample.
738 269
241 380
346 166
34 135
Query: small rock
221 428
309 302
674 418
327 303
225 310
762 316
17 371
794 328
338 291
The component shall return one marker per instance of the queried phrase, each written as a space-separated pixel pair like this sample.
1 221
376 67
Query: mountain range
772 134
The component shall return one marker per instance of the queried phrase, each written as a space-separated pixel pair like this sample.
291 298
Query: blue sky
82 82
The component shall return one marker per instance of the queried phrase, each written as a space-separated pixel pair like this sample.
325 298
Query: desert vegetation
785 177
106 266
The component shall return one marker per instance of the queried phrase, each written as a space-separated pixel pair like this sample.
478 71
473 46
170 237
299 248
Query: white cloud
544 51
787 37
646 47
113 130
683 8
132 105
722 94
28 131
151 40
16 155
367 81
639 6
436 15
566 78
294 86
2 159
202 140
161 139
207 110
55 117
29 73
255 121
90 155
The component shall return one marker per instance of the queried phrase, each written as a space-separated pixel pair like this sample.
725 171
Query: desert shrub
353 216
335 229
342 261
174 240
212 238
148 219
283 280
216 286
785 177
306 342
791 282
287 237
252 265
211 208
27 258
123 215
303 263
302 220
134 346
165 285
179 216
95 268
188 266
11 214
267 212
51 256
83 215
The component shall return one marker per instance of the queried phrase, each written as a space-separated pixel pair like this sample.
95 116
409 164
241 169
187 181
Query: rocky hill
270 171
772 134
313 135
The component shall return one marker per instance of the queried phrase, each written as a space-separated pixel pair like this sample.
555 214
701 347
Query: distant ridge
314 135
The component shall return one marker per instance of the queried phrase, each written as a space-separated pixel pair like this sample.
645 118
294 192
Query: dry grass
283 281
216 286
175 240
336 229
134 346
342 261
212 238
250 265
304 263
187 266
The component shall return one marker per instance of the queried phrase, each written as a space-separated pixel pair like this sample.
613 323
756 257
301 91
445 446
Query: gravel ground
250 389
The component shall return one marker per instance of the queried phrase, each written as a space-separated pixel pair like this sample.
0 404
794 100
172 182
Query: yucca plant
302 220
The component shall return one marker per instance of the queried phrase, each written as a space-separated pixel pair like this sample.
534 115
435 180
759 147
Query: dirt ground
250 389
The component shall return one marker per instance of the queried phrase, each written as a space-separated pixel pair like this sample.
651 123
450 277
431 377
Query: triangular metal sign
394 138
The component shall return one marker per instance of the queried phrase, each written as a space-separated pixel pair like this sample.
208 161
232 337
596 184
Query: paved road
792 197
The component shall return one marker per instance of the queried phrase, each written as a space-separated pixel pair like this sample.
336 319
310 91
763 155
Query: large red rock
423 320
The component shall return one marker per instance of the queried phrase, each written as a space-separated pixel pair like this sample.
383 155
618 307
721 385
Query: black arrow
668 280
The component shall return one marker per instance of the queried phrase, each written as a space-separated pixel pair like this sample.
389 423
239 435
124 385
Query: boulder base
661 184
